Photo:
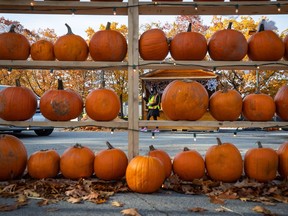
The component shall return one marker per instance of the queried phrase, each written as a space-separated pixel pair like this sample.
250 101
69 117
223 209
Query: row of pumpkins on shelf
144 174
111 45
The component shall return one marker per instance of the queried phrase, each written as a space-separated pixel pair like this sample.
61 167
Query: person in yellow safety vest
153 106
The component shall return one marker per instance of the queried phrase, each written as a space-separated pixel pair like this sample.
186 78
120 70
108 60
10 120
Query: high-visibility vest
153 100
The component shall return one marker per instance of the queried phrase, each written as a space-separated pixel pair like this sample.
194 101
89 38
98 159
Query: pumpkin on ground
110 164
286 48
261 163
184 100
17 103
145 174
164 157
14 46
13 157
281 102
77 162
61 105
283 160
44 164
189 165
224 162
71 47
42 50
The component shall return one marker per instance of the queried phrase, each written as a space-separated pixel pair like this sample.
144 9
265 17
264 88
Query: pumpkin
286 48
164 157
102 104
110 164
225 105
77 162
42 50
61 105
224 162
153 45
281 102
44 164
189 165
108 45
184 100
17 103
261 163
13 157
14 46
145 174
265 45
71 47
227 45
258 107
283 160
188 46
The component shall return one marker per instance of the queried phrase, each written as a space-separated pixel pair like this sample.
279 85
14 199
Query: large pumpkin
145 174
184 100
188 46
44 164
14 46
61 105
281 102
42 50
17 103
110 164
224 162
13 157
265 45
77 162
189 165
261 163
102 104
258 107
227 45
108 45
225 105
286 48
283 160
153 45
71 47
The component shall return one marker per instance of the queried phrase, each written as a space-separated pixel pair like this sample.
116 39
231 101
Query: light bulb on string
73 12
278 7
236 9
51 70
114 11
32 5
195 138
214 70
235 133
196 7
112 130
153 135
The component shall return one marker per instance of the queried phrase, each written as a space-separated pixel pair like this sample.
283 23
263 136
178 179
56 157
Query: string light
174 63
112 130
51 70
114 11
214 69
235 133
32 5
153 135
73 12
278 7
195 138
196 7
257 67
134 69
236 9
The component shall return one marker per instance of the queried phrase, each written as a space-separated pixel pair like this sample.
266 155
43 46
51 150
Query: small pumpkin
184 100
71 47
77 162
227 45
164 157
281 102
261 163
153 45
42 50
283 160
110 164
44 164
61 105
14 46
286 48
17 103
145 174
189 165
13 157
224 162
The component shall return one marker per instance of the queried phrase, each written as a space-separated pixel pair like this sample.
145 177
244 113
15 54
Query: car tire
43 132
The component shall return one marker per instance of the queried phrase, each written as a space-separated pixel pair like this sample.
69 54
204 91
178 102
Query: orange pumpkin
286 48
189 165
188 46
281 102
184 100
153 45
14 46
102 104
110 164
164 157
42 50
77 162
283 160
71 47
44 164
61 105
227 45
261 163
145 174
13 157
17 103
224 162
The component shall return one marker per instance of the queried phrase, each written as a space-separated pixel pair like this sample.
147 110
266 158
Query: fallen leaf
197 209
260 209
74 200
43 202
4 208
216 200
130 211
117 204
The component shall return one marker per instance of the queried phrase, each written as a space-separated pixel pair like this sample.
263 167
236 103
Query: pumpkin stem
108 26
77 145
186 149
152 148
261 26
44 150
60 84
109 145
218 141
69 29
17 81
189 27
230 25
259 144
12 28
225 88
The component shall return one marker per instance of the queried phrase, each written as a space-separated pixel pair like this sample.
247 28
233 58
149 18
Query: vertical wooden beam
133 80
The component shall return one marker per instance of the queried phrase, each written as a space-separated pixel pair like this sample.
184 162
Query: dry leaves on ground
130 212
